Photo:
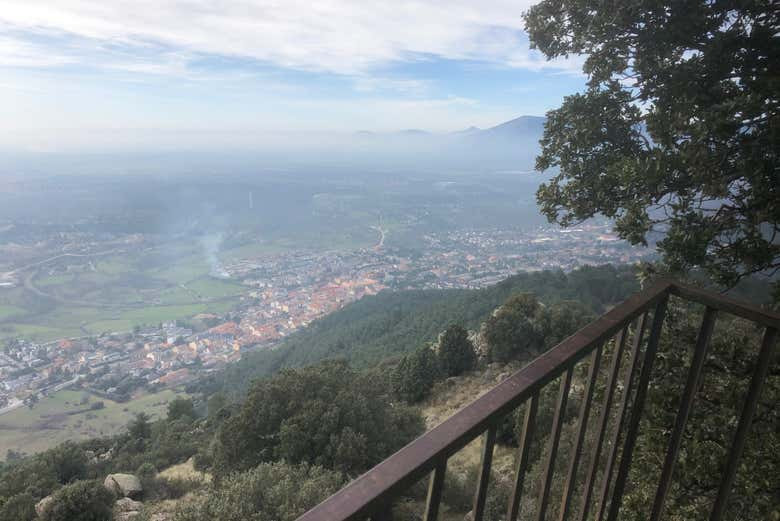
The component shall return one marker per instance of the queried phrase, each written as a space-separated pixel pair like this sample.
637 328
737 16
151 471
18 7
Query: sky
80 71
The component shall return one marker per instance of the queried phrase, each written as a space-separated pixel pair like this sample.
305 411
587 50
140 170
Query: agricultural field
67 415
113 293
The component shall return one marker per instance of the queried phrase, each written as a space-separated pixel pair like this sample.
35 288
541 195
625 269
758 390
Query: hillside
390 324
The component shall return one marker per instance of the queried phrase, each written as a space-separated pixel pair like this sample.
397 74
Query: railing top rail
744 310
376 488
368 492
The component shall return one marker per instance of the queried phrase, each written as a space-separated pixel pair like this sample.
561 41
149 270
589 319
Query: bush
516 330
270 492
20 507
181 408
415 374
326 415
80 501
456 352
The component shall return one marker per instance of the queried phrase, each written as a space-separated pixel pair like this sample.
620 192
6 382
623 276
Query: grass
54 280
209 287
10 311
62 417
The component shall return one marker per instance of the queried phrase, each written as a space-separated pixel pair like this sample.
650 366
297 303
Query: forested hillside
393 323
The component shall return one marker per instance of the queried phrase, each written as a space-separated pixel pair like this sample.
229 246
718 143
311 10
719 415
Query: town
284 292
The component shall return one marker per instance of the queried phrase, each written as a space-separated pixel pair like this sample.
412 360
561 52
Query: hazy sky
70 69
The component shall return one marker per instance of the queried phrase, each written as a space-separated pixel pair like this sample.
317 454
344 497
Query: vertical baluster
629 381
590 476
384 513
691 386
638 408
555 438
435 487
740 435
489 442
568 489
529 425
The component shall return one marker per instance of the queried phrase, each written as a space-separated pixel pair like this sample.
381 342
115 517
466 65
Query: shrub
415 374
516 329
269 492
326 415
80 501
20 507
456 352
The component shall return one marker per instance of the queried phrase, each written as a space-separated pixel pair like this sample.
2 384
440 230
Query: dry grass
452 395
186 471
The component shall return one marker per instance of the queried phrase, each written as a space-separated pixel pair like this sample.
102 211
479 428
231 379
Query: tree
326 415
181 408
215 404
140 428
414 376
456 352
515 329
80 501
20 507
564 318
67 461
678 130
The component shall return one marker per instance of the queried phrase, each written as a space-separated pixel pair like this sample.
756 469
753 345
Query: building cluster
116 366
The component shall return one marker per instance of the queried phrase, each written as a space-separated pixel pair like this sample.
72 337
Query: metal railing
371 495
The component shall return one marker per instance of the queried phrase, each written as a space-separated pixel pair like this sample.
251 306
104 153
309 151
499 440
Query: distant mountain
526 127
512 145
466 131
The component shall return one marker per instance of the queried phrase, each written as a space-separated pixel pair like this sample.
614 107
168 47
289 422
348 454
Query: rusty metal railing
371 495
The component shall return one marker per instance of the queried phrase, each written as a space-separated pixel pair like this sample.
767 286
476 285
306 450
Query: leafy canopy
677 131
456 352
326 415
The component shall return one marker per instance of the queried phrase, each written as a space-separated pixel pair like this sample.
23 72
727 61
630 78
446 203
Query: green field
9 311
114 293
65 415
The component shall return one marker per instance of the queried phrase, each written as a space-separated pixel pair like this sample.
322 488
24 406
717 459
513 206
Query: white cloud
336 36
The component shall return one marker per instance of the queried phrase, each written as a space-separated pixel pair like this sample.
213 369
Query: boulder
41 505
126 504
124 485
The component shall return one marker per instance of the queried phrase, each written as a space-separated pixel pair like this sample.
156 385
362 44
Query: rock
124 485
41 505
107 455
126 504
126 516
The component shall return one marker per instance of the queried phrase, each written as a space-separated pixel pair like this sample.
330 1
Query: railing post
384 513
555 438
435 487
524 451
587 398
489 442
638 408
621 418
740 436
686 404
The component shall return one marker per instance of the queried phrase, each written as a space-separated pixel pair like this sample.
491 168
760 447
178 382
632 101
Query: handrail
371 493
